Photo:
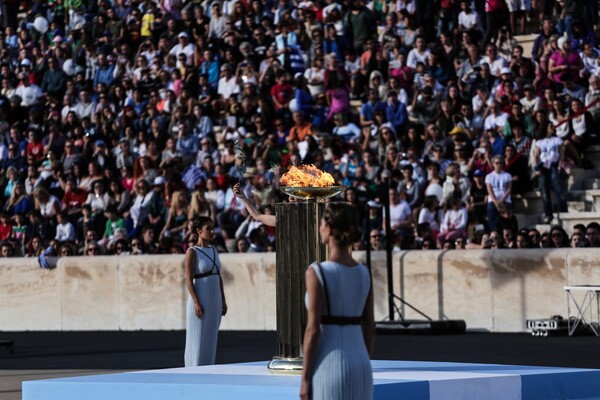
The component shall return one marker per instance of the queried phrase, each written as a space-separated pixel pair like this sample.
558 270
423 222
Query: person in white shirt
86 107
228 84
494 60
65 232
549 154
184 46
454 224
216 26
419 53
29 93
589 55
496 118
315 77
592 95
401 217
499 187
468 19
530 102
409 5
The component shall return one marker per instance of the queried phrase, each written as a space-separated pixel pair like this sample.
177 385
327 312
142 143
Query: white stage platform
393 380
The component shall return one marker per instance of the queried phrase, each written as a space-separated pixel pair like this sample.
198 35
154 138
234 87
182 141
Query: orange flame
307 176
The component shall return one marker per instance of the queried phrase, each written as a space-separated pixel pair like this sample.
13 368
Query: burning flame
306 176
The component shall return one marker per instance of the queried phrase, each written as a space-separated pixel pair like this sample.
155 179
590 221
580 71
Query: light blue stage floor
393 380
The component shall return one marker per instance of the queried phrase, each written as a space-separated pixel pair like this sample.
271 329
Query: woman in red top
35 147
5 227
281 92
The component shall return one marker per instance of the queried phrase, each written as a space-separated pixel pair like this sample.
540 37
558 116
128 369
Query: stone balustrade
491 290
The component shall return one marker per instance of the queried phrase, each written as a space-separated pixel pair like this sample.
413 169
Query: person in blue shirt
210 68
302 96
104 72
396 112
370 108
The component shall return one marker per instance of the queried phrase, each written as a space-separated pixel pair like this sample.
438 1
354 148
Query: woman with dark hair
340 329
582 126
559 237
206 302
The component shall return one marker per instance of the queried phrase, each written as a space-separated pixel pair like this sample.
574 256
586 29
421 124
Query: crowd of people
121 121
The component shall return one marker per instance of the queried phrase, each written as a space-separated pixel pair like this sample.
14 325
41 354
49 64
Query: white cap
26 62
182 35
159 180
561 42
505 70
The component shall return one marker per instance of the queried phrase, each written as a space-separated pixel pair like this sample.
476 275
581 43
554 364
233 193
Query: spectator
548 157
592 234
65 232
499 187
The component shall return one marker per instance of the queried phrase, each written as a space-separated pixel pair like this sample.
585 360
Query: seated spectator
401 217
454 224
65 232
559 237
592 234
142 202
99 199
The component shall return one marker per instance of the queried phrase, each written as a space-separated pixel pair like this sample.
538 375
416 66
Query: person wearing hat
28 93
184 46
563 62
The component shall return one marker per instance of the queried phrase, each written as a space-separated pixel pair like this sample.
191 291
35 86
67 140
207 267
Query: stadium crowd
122 120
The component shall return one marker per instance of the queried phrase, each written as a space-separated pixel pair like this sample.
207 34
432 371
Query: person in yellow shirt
147 21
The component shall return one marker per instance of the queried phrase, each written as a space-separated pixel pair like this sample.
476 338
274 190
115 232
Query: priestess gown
342 368
201 334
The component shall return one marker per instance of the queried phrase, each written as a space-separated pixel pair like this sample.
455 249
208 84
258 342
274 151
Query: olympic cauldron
298 245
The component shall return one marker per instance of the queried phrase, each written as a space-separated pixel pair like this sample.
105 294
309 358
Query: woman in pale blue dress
206 302
340 329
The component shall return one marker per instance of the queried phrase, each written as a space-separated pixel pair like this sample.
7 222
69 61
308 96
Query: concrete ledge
491 290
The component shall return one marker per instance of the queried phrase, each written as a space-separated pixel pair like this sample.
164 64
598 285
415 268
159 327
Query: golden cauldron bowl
312 193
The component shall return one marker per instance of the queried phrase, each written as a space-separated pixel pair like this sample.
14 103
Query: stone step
590 184
570 219
567 220
592 153
578 206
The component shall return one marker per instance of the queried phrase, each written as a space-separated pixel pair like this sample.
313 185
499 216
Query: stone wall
491 290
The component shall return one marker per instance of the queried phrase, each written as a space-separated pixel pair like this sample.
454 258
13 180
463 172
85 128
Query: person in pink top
562 62
338 96
496 17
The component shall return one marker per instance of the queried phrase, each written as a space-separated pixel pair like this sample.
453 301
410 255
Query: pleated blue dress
201 334
342 368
